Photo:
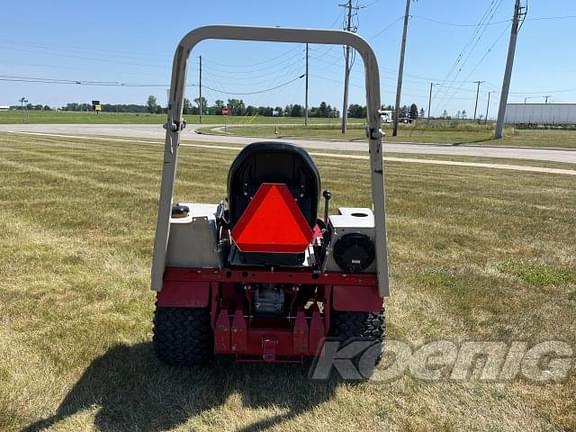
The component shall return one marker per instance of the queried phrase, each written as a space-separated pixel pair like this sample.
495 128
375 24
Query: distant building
4 108
541 113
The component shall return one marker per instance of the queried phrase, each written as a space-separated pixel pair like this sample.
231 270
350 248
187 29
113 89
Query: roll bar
175 125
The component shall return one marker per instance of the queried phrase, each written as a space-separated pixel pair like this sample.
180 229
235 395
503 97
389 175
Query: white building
541 113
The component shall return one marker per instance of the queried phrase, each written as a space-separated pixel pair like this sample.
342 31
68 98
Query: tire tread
182 336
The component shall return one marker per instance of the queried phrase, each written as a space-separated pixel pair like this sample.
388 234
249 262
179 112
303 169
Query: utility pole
519 12
401 69
306 96
430 100
347 5
547 97
200 90
477 93
487 108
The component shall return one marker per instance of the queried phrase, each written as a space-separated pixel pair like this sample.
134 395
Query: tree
203 103
296 111
422 112
404 111
151 104
265 111
357 111
323 109
464 114
237 107
187 106
216 109
413 111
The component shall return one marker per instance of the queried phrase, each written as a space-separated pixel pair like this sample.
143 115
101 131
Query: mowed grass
437 132
475 255
65 117
419 133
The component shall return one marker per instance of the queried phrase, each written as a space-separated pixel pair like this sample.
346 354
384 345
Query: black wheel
359 325
369 326
183 336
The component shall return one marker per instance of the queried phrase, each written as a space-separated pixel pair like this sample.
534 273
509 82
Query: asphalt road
156 132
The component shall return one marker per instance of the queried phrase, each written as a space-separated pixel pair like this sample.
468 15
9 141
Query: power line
472 41
13 78
256 91
230 69
337 20
561 17
488 51
451 24
569 90
252 77
251 65
335 80
476 37
386 28
369 4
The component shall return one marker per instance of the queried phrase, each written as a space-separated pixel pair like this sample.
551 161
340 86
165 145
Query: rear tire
354 326
359 325
183 336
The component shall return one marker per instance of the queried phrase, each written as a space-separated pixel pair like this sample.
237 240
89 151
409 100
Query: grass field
49 117
476 254
469 134
321 128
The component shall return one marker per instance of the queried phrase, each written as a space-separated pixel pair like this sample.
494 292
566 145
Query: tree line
236 107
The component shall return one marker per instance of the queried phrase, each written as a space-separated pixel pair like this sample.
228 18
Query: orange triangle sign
272 223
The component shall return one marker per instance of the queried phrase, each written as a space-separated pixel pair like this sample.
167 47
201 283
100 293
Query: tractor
260 276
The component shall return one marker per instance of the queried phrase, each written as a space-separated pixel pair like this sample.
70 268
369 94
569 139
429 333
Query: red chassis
297 334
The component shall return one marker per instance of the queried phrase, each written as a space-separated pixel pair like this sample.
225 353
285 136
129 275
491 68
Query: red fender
184 294
357 298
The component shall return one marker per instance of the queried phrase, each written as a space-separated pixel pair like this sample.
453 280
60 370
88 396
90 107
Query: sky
132 42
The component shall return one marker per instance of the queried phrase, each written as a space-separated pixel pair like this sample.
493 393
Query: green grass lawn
418 134
321 128
476 254
49 117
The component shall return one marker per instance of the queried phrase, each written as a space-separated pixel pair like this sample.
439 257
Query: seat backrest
273 162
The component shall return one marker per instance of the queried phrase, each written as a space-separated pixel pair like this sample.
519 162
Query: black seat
273 162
